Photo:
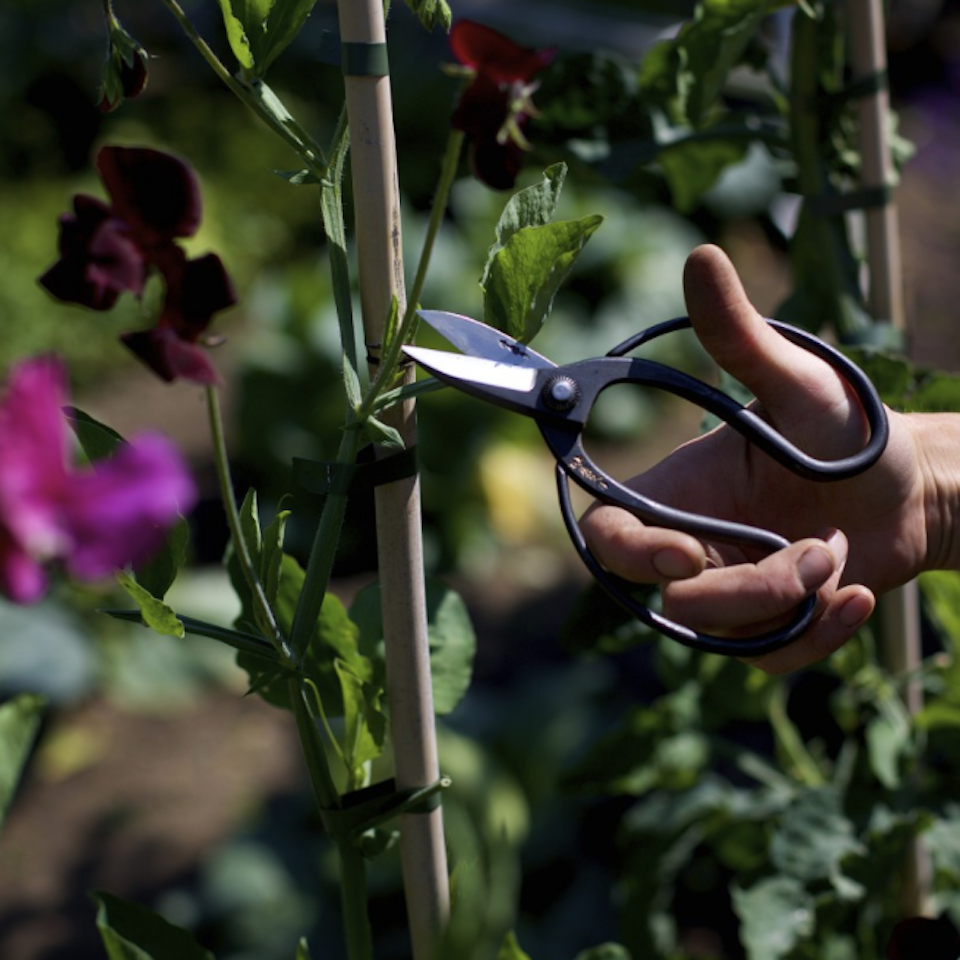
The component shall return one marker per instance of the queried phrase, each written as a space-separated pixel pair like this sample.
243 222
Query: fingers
628 547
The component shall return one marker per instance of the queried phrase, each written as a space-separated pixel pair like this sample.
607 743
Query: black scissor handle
573 462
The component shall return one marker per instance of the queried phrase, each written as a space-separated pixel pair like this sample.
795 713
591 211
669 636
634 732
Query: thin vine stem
264 613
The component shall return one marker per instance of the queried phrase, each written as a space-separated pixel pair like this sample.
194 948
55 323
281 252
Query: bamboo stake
900 617
399 536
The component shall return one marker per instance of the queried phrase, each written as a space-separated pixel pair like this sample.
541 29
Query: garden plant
804 820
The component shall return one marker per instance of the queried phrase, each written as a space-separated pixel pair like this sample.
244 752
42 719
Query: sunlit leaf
132 932
155 613
525 275
692 167
19 722
364 721
432 13
285 20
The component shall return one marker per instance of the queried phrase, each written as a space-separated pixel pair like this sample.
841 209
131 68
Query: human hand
852 538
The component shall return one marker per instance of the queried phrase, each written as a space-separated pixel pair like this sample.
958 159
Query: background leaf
775 915
132 932
156 614
19 722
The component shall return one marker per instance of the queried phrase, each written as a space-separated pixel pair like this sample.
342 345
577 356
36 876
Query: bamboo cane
899 612
399 537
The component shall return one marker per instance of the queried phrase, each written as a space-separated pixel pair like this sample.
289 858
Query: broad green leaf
531 207
155 613
19 721
814 836
271 555
96 439
943 842
365 724
510 948
132 932
526 274
692 167
432 13
260 30
451 636
889 739
335 637
775 914
605 951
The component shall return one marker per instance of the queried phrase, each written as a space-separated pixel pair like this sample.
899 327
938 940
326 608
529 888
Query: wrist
937 439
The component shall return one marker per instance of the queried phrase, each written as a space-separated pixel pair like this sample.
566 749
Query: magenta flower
92 520
107 250
494 109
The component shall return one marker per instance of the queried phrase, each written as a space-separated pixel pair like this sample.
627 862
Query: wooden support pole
900 609
399 535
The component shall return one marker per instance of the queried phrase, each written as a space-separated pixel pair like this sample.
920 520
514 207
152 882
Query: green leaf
285 21
452 639
531 207
526 274
157 575
376 431
692 167
605 951
253 539
155 613
813 837
243 28
335 636
889 739
365 724
96 439
271 555
432 12
303 950
775 915
510 949
19 722
132 932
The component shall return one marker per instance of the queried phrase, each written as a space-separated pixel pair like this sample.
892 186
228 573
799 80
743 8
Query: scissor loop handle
573 463
623 592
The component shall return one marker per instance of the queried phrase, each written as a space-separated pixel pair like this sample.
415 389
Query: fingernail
814 566
673 564
837 543
855 611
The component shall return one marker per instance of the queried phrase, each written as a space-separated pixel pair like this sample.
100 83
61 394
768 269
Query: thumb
780 374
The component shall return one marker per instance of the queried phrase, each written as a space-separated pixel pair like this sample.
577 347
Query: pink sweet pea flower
92 520
494 109
106 250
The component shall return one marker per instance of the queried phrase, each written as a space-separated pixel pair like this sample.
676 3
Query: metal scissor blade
462 370
478 340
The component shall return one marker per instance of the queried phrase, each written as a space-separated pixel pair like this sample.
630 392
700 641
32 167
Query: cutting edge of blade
475 338
474 370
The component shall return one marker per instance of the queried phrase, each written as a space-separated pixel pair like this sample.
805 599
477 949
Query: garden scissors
503 371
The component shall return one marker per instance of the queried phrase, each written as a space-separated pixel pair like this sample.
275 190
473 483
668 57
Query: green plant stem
805 767
264 613
322 553
290 132
407 327
353 879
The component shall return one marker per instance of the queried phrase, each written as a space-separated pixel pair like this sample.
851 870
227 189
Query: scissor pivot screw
561 393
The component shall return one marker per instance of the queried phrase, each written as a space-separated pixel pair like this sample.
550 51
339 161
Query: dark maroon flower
106 250
494 109
924 938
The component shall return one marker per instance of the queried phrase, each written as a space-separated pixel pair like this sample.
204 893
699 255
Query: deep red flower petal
195 292
170 357
493 54
157 194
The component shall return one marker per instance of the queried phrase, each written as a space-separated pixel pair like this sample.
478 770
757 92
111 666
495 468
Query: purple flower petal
98 258
33 465
22 579
119 512
171 357
157 194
